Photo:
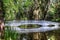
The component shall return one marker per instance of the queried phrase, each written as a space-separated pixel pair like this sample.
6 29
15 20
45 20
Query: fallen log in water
45 26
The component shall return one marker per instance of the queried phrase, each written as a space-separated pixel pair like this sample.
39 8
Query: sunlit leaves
10 9
52 9
28 3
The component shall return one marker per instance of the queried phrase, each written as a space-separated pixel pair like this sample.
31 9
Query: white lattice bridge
45 25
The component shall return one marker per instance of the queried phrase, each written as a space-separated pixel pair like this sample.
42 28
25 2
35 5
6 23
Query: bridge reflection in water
46 26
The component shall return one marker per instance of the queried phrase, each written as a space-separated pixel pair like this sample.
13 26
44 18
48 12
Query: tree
1 20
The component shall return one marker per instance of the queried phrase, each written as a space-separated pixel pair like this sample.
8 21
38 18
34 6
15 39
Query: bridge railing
45 26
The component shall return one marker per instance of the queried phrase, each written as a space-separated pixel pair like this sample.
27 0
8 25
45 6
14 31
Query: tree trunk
37 35
34 12
1 21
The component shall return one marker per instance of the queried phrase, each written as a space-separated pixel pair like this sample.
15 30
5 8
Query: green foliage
28 3
10 35
19 9
10 9
52 9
